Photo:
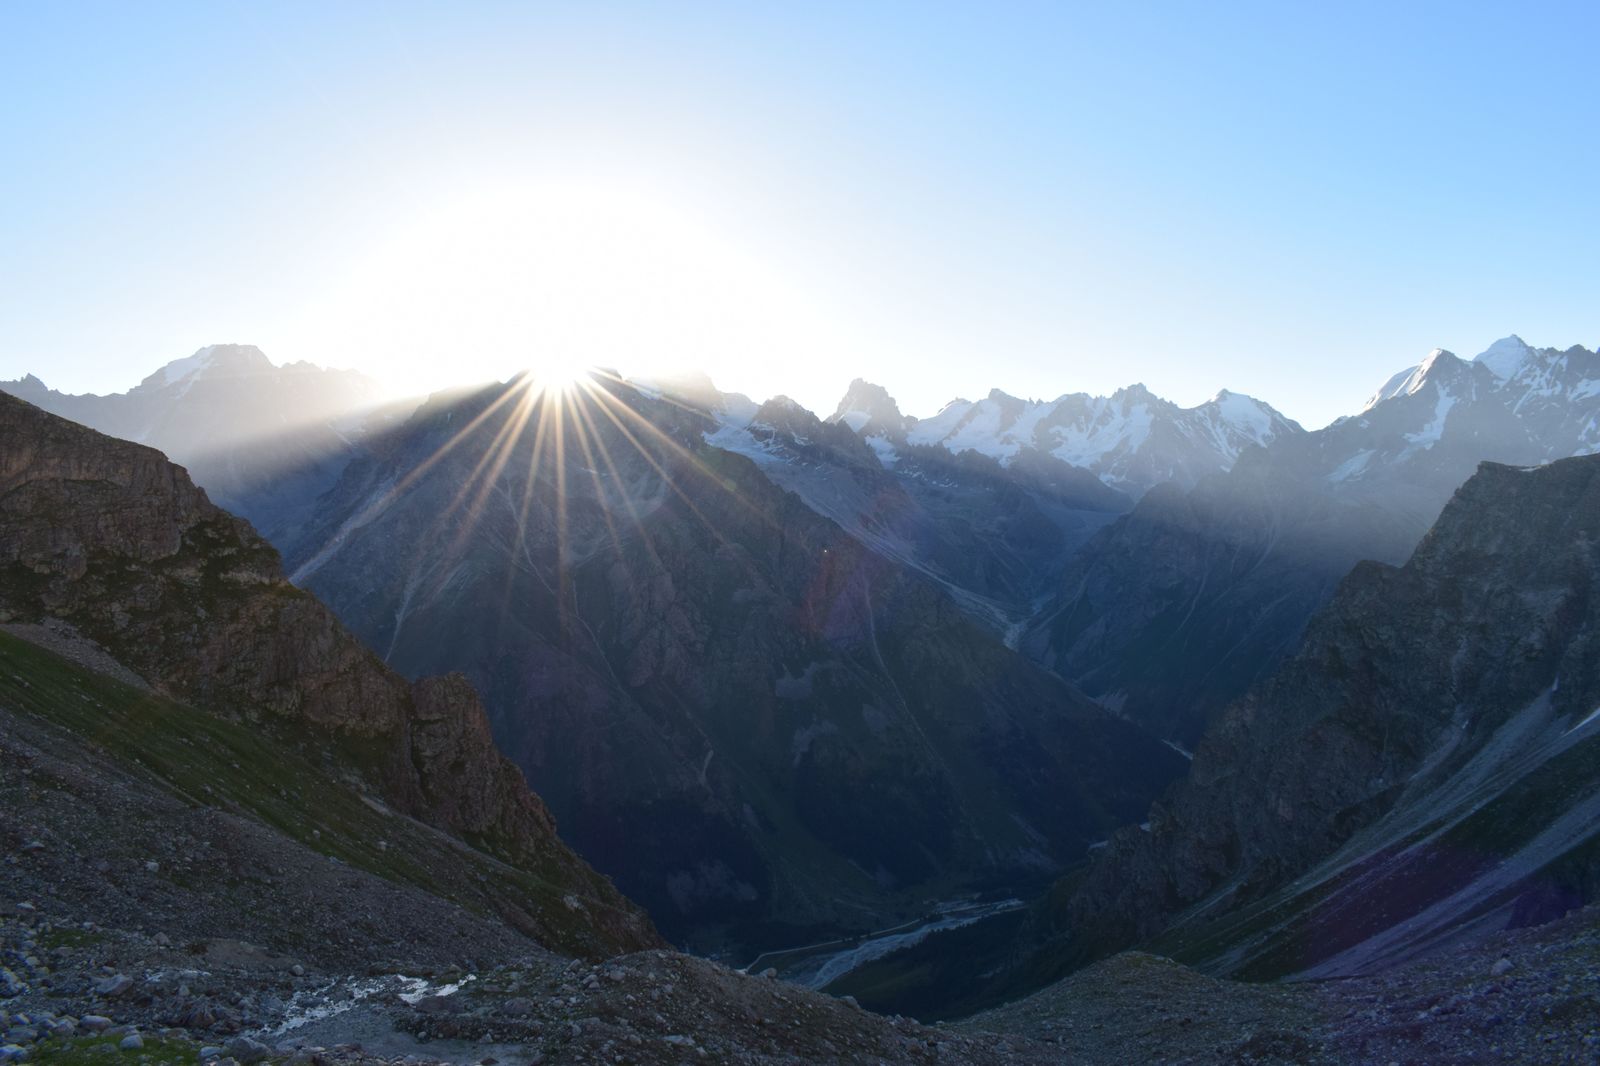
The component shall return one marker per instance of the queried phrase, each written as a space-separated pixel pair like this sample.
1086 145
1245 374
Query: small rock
1502 967
297 970
211 1051
11 984
201 1016
519 1007
13 1053
114 986
132 1042
162 941
770 973
95 1023
247 1050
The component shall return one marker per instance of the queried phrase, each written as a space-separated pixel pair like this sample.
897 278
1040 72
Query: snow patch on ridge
855 420
1433 432
187 367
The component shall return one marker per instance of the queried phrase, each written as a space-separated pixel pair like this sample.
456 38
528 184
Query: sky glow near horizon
942 199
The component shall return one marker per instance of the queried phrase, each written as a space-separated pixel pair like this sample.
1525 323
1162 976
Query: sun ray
609 401
671 483
625 491
495 455
581 434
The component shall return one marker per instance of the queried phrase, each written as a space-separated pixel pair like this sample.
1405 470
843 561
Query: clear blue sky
1292 200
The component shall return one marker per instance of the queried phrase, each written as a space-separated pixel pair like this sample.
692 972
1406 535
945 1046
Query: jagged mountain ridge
265 440
732 705
1132 440
109 537
1425 768
1178 607
994 535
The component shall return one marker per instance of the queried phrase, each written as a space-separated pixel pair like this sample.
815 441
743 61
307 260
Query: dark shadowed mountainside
759 726
1426 768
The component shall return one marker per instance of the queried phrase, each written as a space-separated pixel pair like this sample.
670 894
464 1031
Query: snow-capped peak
1247 416
870 410
1506 356
1410 380
231 360
1132 439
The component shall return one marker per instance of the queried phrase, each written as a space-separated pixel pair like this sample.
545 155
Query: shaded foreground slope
1526 997
113 540
198 883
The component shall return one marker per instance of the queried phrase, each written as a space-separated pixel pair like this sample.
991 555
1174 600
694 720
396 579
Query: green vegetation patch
104 1051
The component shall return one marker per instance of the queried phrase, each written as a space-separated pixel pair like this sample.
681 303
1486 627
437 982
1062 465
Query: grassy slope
210 761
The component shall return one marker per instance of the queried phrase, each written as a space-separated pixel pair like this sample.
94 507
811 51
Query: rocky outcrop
1427 762
110 537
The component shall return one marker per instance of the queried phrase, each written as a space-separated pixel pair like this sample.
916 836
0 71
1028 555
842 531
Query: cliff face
117 541
1424 762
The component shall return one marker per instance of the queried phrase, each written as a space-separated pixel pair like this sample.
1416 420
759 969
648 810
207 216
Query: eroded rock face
1425 758
117 541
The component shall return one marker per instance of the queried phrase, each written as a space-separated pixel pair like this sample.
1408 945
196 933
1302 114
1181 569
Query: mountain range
785 678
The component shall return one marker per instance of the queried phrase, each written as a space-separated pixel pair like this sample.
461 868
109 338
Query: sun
558 373
554 278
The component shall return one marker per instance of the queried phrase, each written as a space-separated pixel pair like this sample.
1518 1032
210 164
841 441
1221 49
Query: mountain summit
869 410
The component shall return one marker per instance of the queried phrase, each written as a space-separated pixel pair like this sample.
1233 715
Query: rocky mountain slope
105 541
1426 767
760 727
995 536
264 440
1178 607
